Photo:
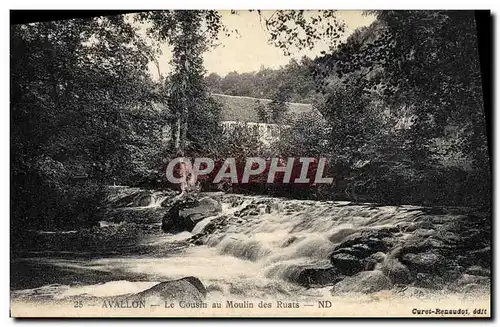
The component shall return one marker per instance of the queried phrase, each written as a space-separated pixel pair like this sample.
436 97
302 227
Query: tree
308 136
75 86
294 76
393 94
188 99
278 107
213 82
299 29
418 53
261 110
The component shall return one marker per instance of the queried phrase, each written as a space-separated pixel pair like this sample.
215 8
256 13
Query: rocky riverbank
373 248
258 247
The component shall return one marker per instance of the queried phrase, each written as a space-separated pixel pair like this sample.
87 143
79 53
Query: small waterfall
156 199
134 205
291 235
258 248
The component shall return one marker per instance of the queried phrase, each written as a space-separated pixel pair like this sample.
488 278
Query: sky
250 49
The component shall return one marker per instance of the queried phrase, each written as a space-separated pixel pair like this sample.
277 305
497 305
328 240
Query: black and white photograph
250 163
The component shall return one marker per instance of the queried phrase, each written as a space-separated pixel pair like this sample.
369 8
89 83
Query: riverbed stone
205 207
184 215
354 253
184 289
397 272
347 264
423 262
363 282
319 277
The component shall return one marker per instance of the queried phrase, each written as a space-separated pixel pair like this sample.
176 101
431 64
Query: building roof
240 108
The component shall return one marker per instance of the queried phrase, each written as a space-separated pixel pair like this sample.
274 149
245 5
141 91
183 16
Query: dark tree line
75 87
85 112
398 107
402 111
398 111
294 80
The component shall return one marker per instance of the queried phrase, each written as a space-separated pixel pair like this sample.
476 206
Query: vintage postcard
249 163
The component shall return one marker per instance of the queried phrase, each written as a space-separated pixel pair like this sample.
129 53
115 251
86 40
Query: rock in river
319 277
353 254
185 289
205 207
423 262
363 282
395 270
184 215
346 263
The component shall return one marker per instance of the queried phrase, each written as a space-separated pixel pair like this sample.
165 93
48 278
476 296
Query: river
258 254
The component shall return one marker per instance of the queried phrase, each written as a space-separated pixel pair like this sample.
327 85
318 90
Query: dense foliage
401 116
81 116
294 79
195 116
402 100
398 108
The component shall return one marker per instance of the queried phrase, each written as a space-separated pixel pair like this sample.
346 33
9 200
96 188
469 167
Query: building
240 111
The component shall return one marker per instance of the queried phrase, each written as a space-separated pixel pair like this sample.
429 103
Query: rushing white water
254 257
296 234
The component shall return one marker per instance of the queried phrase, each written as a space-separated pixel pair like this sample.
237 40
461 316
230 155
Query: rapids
258 254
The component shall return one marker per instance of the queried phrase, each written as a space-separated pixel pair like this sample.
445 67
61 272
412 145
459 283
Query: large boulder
319 277
205 207
185 289
363 282
346 263
424 262
183 215
354 253
397 272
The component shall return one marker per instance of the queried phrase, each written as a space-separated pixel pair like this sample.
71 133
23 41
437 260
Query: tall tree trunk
184 128
177 134
184 86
